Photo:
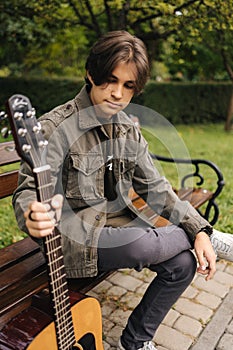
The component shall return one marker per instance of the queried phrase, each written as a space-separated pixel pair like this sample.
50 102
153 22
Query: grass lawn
208 142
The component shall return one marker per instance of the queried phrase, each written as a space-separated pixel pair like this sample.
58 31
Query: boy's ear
88 76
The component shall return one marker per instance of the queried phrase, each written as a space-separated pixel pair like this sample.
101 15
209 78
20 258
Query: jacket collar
87 116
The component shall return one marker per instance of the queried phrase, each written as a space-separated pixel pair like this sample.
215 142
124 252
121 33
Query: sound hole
87 342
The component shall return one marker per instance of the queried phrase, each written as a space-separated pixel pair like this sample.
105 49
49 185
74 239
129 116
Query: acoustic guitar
76 325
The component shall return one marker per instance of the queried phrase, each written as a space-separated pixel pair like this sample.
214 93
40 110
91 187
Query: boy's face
114 95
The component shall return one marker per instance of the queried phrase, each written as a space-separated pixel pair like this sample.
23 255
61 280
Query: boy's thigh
138 247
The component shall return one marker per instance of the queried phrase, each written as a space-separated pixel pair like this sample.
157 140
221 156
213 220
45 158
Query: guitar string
68 326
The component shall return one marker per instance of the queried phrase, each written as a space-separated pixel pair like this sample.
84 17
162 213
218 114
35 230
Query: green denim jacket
78 153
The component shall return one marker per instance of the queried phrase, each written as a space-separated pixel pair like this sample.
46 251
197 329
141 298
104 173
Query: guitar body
33 329
86 319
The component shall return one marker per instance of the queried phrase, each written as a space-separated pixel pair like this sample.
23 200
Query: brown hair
113 48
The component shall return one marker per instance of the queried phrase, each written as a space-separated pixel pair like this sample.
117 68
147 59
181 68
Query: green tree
25 26
203 49
50 37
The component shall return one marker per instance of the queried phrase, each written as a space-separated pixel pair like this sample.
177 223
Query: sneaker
148 345
223 244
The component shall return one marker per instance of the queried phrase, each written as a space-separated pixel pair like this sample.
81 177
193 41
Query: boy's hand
42 218
205 253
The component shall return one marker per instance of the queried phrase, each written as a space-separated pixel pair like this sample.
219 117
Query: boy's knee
186 265
180 268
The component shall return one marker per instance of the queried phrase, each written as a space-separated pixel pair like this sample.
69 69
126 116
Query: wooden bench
23 272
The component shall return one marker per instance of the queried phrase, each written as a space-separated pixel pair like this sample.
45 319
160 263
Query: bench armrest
211 209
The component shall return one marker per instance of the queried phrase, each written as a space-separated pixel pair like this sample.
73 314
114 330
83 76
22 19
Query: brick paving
201 319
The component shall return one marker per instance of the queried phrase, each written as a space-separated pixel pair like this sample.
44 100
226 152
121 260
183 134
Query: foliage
204 46
45 94
180 102
187 103
25 25
63 31
186 40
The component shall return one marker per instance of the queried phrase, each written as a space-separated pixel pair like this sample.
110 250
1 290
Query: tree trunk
228 123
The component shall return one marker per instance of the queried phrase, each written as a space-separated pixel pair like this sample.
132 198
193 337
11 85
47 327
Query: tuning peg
5 132
18 115
36 128
43 143
22 132
31 113
3 115
26 148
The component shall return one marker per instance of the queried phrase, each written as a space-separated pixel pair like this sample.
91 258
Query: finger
39 216
57 201
39 207
40 233
40 229
201 261
203 270
41 225
212 269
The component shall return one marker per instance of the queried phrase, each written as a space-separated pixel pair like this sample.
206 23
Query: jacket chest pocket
127 166
85 176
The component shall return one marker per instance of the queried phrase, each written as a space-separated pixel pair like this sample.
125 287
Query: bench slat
8 183
197 197
8 153
17 252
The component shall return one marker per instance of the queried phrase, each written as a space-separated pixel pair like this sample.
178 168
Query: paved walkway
202 318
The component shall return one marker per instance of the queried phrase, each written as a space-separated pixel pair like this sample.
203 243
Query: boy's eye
129 86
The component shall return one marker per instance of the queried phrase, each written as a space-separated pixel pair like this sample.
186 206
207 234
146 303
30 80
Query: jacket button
69 106
98 217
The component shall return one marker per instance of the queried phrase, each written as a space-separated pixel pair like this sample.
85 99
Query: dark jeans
164 250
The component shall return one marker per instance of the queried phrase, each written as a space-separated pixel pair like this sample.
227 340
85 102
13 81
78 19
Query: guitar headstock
26 130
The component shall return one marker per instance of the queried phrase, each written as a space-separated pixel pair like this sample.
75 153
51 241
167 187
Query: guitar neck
56 269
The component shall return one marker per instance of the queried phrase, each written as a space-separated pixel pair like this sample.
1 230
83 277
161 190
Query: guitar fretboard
56 270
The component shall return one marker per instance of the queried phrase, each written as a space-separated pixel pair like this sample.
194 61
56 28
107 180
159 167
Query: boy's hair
113 48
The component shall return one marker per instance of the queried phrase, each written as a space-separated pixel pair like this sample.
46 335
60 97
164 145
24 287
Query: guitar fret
57 279
60 295
53 251
63 292
57 270
62 309
62 285
62 313
57 301
42 187
68 344
52 238
64 320
56 264
65 327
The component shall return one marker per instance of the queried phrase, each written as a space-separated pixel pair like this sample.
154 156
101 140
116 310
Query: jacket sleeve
156 190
